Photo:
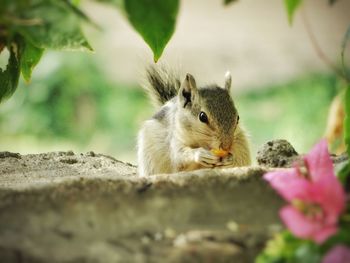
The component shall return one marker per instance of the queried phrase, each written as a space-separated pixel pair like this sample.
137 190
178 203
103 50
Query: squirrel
191 122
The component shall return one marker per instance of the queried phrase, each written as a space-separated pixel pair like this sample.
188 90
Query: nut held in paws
219 152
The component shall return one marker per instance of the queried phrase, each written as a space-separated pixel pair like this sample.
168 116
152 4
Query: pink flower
338 254
315 195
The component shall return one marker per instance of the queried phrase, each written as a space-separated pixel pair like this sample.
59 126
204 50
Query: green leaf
154 20
341 237
28 27
75 2
117 3
281 248
291 6
344 175
73 7
29 58
284 247
9 77
52 25
308 253
227 2
347 119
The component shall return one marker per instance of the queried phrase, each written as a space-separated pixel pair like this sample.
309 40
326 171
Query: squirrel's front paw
205 158
226 161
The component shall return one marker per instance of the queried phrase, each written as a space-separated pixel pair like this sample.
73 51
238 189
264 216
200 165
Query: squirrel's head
206 115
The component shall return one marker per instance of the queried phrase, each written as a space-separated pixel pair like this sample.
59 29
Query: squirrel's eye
203 117
237 118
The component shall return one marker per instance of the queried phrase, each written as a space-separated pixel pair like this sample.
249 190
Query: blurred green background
72 105
92 101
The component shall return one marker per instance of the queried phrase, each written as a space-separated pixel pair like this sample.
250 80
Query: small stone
91 154
69 160
282 162
9 154
276 153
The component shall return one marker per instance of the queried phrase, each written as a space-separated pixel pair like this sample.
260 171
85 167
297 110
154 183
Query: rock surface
63 207
281 154
276 153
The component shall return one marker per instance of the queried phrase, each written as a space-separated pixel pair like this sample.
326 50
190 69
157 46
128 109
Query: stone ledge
63 207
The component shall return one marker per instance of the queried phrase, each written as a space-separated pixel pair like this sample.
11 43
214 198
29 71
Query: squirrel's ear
188 90
228 81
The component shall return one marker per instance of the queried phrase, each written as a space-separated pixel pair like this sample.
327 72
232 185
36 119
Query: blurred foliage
28 27
227 2
74 101
345 171
154 20
296 111
286 248
291 6
72 107
71 99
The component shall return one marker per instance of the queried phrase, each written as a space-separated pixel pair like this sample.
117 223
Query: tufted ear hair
188 90
228 81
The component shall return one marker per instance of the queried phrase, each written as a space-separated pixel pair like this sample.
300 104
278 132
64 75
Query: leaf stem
343 48
318 49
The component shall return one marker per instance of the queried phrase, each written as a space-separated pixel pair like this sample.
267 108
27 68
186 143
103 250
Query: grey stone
276 153
280 153
96 209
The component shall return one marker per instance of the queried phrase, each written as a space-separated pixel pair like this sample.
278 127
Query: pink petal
287 174
324 233
303 227
296 222
287 183
330 196
328 192
338 254
319 162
